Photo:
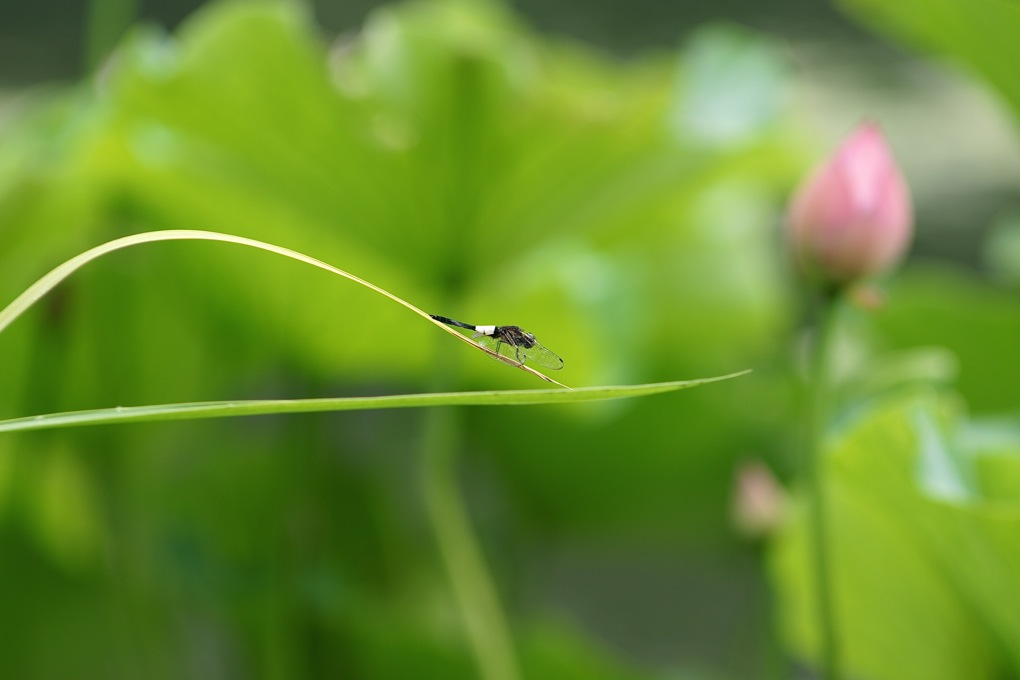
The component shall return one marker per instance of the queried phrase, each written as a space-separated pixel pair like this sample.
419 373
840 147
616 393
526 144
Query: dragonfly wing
542 356
511 351
536 354
519 354
507 351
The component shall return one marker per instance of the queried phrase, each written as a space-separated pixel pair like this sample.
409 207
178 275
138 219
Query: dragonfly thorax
515 335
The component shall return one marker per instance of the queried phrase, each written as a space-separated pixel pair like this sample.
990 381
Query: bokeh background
611 176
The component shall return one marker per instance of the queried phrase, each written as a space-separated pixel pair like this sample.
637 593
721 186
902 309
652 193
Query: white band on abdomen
485 330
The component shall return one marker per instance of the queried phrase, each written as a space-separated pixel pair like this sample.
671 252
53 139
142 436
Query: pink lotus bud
853 215
759 503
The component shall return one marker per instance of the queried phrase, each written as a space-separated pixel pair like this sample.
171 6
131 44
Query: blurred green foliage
624 212
925 510
980 34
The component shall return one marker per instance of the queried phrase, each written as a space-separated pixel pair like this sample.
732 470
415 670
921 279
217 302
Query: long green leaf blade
48 282
226 409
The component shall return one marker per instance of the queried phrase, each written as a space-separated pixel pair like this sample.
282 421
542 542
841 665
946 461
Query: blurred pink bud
759 503
853 216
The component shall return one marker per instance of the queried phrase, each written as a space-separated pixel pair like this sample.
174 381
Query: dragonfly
511 342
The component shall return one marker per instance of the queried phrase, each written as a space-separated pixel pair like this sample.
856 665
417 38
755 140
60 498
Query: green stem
819 407
475 593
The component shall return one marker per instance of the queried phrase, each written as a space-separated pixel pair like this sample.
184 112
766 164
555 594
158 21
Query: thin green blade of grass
226 409
48 282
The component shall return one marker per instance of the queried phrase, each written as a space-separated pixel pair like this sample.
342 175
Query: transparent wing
541 355
518 354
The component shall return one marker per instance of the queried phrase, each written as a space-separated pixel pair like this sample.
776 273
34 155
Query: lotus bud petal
853 216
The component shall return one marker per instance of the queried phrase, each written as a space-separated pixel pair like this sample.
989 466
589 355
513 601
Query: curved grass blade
226 409
61 272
